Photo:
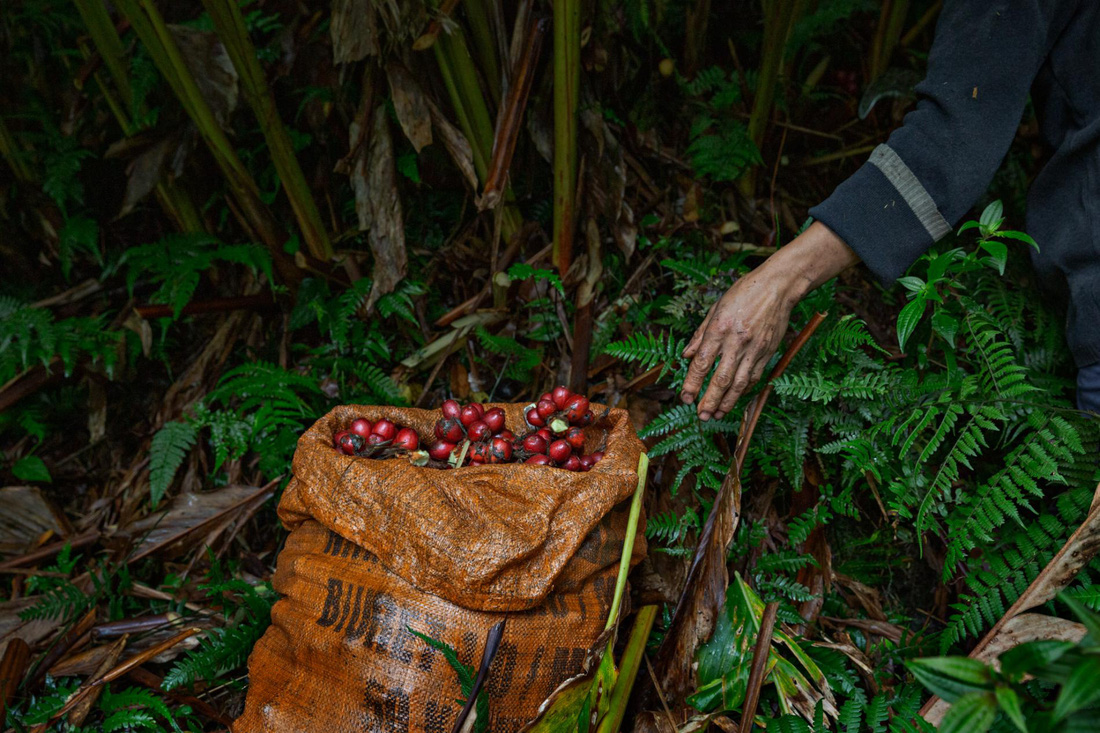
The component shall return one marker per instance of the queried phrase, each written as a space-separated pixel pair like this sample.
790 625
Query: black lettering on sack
533 671
590 548
357 610
427 651
382 626
328 542
567 662
469 649
387 709
605 591
398 650
348 545
347 607
503 670
558 607
582 612
438 719
331 610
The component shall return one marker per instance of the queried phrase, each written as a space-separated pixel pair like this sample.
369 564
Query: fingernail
686 398
719 415
704 416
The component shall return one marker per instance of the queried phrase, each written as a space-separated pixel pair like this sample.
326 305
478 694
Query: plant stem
567 70
629 665
230 27
11 152
628 543
482 31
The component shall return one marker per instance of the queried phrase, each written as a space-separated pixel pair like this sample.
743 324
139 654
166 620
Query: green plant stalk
483 41
460 77
628 543
567 78
106 39
154 34
230 27
778 17
887 34
629 665
10 150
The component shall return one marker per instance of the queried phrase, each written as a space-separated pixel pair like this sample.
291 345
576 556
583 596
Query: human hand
744 328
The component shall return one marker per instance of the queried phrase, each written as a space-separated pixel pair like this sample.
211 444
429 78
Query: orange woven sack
380 547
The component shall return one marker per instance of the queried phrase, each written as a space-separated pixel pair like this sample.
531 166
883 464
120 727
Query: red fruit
441 450
478 431
546 396
535 443
474 462
407 439
451 409
587 462
350 443
336 437
385 429
560 397
546 408
480 452
361 426
469 414
538 460
533 418
546 435
376 439
494 418
500 451
596 457
575 438
572 463
576 408
506 434
586 419
559 451
449 430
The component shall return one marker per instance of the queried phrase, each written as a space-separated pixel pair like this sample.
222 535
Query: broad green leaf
1009 703
998 254
31 468
971 713
909 318
1032 656
912 283
1019 236
992 215
967 225
945 325
951 677
1081 690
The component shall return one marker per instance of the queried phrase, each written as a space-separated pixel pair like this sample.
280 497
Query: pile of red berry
381 439
471 435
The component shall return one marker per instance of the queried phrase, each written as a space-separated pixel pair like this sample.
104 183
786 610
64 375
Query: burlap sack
381 547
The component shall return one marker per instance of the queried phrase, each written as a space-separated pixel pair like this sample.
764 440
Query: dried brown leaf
354 30
411 105
214 73
27 516
13 627
374 180
144 172
458 147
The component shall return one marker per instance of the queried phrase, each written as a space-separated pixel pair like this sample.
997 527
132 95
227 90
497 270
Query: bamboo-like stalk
629 665
230 27
9 149
628 543
153 32
481 30
567 78
98 23
779 15
887 34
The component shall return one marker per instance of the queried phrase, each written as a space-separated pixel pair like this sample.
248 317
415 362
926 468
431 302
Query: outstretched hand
744 328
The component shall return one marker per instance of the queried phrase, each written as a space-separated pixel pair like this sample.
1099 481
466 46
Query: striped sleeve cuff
884 214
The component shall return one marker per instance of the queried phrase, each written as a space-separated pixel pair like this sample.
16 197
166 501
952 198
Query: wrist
810 260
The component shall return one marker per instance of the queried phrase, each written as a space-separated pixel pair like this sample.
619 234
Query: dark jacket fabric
987 57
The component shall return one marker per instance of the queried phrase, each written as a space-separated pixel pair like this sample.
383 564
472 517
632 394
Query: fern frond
166 453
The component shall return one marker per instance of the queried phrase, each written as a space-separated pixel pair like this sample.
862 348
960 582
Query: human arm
906 197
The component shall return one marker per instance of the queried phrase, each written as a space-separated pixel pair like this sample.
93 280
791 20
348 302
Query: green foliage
467 675
225 648
30 336
169 447
177 261
980 695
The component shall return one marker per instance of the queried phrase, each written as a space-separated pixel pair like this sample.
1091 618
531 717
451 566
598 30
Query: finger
723 379
700 365
693 345
751 377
